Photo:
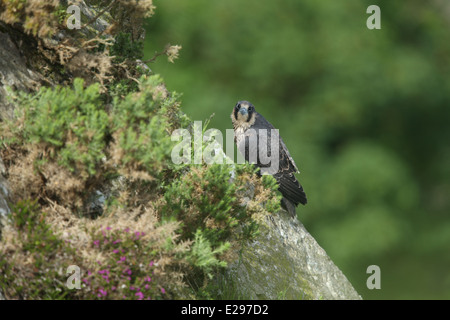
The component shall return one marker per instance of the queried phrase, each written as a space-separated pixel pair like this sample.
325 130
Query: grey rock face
4 208
286 262
4 192
14 73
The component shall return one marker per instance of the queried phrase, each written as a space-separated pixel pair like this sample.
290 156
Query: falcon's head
244 114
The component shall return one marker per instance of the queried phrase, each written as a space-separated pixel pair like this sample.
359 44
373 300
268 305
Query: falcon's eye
250 108
238 106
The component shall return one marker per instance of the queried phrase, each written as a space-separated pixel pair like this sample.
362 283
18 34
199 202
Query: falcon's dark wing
289 186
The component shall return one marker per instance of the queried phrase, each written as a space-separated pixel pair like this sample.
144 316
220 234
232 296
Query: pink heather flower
140 295
132 288
126 229
103 292
148 279
151 263
113 288
115 251
116 241
108 228
96 243
122 259
146 286
89 272
127 271
163 291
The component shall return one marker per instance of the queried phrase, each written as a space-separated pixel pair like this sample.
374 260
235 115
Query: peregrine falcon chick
257 141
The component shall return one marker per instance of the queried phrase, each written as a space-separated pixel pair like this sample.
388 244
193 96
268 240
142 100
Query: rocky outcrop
14 71
286 262
4 192
16 74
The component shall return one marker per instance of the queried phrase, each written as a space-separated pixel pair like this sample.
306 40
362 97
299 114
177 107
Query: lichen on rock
286 262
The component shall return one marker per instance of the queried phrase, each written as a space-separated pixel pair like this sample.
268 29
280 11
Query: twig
157 54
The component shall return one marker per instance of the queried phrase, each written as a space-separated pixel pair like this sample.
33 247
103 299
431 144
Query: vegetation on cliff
88 161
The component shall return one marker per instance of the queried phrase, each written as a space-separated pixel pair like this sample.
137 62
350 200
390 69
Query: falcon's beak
243 111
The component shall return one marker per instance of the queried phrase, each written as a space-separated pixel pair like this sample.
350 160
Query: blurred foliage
365 114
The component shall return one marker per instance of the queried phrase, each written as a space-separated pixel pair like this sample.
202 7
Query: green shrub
216 212
68 123
142 123
125 48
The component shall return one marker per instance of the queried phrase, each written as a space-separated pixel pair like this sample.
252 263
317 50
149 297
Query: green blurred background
365 114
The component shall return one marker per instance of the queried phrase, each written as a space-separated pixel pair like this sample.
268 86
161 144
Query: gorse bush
67 123
205 193
125 48
142 124
205 199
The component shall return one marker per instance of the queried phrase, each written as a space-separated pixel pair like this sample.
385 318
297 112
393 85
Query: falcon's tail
289 206
291 189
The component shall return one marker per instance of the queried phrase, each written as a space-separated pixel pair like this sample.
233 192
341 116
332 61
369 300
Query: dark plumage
245 118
